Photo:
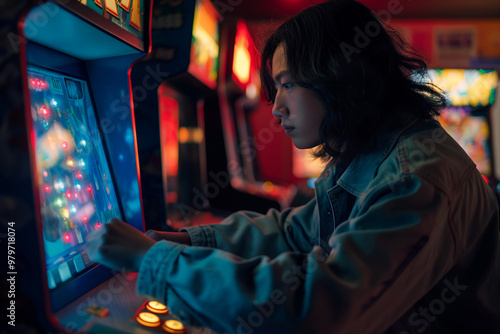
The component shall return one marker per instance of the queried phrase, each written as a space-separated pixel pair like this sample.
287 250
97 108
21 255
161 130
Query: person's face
299 110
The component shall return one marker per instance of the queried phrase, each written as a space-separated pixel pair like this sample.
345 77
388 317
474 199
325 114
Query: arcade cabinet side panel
19 239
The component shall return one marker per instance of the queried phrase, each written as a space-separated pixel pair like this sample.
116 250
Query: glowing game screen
471 92
471 132
205 44
76 190
126 14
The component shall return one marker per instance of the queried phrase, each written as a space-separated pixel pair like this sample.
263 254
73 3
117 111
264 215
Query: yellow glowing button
148 319
156 307
173 326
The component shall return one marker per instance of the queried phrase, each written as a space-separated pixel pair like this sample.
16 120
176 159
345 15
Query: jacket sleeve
374 272
249 234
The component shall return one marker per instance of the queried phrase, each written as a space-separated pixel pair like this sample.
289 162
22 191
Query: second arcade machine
239 93
469 117
170 115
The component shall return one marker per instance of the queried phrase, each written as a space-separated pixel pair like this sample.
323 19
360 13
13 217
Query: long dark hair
366 75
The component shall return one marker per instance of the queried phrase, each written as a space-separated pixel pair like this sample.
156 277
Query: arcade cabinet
71 164
170 117
468 118
239 95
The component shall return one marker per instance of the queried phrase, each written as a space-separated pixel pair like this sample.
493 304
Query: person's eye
287 85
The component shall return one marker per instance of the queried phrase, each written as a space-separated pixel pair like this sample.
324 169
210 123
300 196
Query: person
402 235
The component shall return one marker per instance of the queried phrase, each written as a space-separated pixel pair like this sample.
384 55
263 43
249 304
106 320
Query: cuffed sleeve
155 268
248 234
201 235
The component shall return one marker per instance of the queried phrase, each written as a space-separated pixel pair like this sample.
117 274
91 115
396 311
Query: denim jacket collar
362 169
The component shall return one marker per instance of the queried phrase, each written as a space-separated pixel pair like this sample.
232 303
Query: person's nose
279 107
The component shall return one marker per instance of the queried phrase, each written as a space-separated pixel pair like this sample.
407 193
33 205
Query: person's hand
118 245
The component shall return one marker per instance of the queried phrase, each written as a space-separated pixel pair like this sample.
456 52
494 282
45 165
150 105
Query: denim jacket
403 240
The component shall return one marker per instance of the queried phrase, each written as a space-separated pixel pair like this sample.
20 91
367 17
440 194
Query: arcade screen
76 190
471 92
126 14
205 44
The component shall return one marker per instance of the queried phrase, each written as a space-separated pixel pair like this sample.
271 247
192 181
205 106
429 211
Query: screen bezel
110 27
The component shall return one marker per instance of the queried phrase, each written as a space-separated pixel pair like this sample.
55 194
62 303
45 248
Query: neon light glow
44 111
205 44
304 164
471 93
242 59
467 87
170 134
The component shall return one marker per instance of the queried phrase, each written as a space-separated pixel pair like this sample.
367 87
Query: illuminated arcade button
173 326
156 307
148 319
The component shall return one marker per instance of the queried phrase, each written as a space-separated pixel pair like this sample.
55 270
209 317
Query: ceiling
411 9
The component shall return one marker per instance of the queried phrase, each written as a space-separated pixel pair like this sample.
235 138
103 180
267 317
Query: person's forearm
179 237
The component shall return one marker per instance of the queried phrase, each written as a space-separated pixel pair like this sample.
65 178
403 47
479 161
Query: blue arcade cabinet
68 146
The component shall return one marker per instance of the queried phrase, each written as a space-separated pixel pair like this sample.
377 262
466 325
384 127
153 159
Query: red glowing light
485 178
79 175
85 218
69 195
37 84
66 237
89 189
64 145
46 188
98 226
44 111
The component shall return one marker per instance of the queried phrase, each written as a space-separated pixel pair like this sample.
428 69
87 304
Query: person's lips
287 128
